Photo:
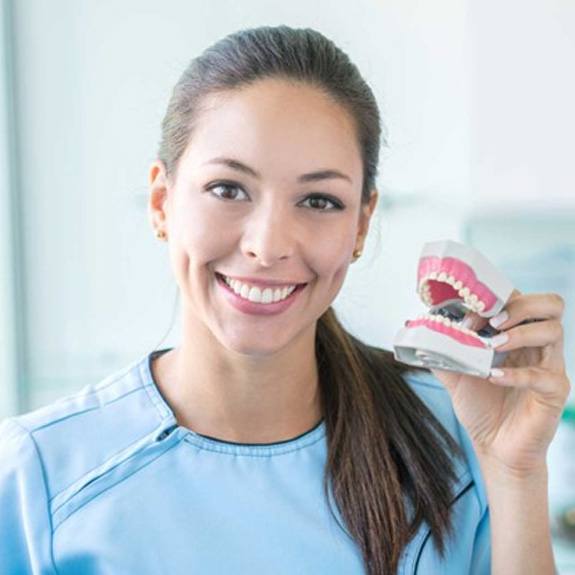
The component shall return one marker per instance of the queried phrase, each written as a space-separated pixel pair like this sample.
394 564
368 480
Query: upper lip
262 282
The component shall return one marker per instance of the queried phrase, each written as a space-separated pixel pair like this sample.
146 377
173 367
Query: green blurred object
568 522
569 413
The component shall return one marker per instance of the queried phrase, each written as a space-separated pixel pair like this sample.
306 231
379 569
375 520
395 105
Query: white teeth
474 303
267 295
447 322
256 294
471 299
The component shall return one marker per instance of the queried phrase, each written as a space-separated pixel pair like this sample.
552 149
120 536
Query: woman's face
266 222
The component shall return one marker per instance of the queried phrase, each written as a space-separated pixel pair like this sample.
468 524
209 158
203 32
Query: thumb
474 321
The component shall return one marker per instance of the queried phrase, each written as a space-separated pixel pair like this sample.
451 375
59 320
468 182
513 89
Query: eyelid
336 203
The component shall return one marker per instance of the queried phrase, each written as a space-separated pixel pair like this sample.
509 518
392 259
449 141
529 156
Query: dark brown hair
384 444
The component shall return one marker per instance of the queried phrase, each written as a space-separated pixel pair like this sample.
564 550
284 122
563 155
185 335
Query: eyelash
337 205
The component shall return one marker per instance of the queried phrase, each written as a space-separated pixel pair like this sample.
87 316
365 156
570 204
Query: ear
365 217
157 204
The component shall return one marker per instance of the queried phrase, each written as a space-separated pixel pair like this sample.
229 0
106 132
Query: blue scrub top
104 481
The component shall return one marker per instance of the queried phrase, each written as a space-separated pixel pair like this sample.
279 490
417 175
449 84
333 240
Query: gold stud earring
356 254
161 234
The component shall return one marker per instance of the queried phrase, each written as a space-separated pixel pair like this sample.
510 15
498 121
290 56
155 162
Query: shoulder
81 431
431 391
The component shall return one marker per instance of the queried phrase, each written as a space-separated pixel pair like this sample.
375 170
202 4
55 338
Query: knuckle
558 330
532 376
536 373
560 301
526 331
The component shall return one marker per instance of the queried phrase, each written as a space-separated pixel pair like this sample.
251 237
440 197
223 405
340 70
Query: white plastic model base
452 279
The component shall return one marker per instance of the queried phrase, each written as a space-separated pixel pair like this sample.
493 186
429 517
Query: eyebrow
304 178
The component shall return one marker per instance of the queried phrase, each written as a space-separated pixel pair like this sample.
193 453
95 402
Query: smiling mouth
268 295
272 285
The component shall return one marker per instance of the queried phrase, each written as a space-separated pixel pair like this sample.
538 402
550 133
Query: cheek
330 258
197 229
193 243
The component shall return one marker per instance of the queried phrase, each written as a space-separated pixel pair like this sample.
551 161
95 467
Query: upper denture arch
440 279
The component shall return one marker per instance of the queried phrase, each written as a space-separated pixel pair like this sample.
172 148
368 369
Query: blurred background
477 98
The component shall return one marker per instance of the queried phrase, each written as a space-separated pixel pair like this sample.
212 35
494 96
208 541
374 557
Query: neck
242 398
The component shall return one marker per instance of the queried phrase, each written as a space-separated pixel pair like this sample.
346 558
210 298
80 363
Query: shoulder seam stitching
29 435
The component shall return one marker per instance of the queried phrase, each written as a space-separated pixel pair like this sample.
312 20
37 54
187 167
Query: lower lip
254 308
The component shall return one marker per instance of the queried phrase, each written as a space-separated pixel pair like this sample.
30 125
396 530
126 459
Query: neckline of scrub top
213 443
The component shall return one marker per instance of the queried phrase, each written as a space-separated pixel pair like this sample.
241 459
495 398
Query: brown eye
319 203
227 189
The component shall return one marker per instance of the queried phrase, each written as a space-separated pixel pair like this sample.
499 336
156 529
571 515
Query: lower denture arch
460 336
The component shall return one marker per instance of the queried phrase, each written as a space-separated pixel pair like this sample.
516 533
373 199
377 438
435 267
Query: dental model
453 279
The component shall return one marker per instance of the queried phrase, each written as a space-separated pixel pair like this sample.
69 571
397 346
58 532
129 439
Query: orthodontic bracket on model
453 279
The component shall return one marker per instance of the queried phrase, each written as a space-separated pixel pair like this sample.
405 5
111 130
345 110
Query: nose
269 234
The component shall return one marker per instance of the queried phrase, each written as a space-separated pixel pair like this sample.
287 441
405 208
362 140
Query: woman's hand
512 419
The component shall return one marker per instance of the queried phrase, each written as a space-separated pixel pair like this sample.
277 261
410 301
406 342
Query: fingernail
467 322
499 339
496 373
499 319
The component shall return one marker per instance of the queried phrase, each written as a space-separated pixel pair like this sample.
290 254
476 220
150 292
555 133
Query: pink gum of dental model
454 333
441 291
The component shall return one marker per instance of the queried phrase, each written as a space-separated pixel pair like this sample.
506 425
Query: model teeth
447 322
256 294
471 300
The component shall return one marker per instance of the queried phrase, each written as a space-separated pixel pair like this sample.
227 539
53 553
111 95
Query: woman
271 440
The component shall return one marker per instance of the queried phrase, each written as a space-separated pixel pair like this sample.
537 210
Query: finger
539 334
553 386
474 321
531 306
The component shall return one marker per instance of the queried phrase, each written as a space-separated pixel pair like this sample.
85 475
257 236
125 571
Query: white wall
522 95
8 236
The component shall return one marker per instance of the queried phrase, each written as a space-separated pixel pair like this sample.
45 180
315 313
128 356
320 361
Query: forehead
277 126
